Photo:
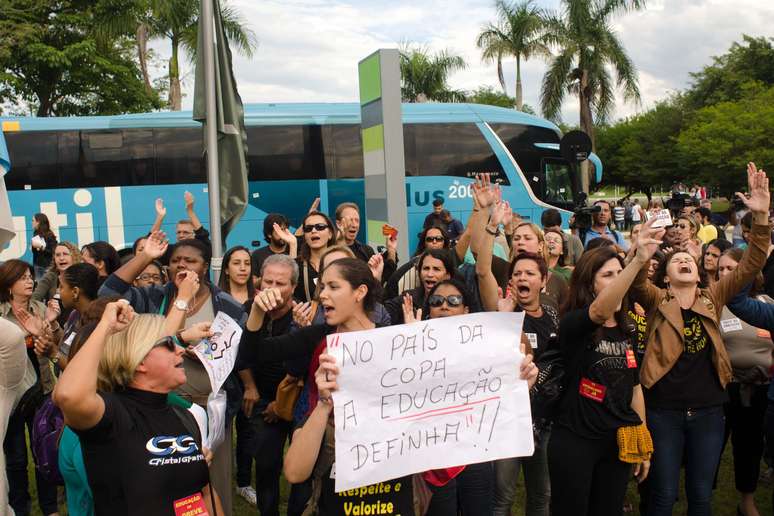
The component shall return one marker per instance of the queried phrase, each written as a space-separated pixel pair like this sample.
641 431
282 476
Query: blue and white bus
97 177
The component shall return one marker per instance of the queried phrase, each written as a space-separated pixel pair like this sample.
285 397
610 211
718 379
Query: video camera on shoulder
680 200
582 218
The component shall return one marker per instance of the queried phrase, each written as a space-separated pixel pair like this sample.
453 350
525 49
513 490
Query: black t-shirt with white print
693 380
140 458
602 371
539 330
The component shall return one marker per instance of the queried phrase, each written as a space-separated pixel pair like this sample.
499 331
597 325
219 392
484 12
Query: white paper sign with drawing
432 394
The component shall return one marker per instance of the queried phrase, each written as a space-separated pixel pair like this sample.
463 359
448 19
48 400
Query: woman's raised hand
187 285
161 210
484 192
197 332
284 234
408 310
117 315
376 264
758 186
52 310
303 314
33 324
156 245
648 241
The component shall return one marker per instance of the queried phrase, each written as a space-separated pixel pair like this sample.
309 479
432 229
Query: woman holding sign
600 426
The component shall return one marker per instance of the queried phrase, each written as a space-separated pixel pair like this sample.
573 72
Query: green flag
230 120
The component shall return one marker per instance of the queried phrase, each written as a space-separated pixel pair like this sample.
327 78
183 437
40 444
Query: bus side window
458 150
285 152
343 148
34 157
179 156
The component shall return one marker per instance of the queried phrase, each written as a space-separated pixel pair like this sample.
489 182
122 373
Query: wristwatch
181 305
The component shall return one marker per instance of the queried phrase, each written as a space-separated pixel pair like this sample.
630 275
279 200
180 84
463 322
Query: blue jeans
536 482
696 435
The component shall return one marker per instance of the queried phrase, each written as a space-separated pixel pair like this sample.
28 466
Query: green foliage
725 79
424 76
641 152
54 60
721 139
488 95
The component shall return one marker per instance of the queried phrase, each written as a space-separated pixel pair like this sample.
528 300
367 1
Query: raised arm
758 245
752 311
76 391
189 209
155 247
487 284
609 299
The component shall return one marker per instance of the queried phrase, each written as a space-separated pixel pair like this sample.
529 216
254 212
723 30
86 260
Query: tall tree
424 76
176 20
588 48
517 33
54 60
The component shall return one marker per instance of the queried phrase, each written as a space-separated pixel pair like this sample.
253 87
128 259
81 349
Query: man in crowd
600 226
260 378
454 228
277 245
348 222
434 218
707 231
552 219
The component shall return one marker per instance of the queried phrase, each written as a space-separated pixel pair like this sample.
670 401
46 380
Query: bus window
343 149
34 158
458 150
558 182
179 156
285 152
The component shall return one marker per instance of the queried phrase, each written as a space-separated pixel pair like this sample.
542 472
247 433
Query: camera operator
600 221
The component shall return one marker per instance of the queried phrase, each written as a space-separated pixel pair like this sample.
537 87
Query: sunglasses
308 228
437 300
682 226
429 239
167 342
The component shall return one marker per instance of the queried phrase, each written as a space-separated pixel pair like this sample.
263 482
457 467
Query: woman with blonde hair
65 254
142 455
529 238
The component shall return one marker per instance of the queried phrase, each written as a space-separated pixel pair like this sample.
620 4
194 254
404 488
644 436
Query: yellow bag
634 444
288 392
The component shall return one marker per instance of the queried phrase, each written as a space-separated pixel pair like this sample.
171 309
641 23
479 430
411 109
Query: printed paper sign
427 395
191 506
219 352
663 218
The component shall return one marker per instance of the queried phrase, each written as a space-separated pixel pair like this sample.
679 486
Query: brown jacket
665 320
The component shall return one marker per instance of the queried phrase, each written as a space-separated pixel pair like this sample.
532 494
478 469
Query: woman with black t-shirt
527 278
686 368
599 431
142 456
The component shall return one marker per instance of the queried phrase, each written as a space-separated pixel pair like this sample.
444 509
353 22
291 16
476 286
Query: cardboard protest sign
427 395
219 352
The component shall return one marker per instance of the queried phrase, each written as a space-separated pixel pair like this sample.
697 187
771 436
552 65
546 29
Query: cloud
309 50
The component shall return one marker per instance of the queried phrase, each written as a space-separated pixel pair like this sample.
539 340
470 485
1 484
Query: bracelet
327 400
180 341
492 232
476 209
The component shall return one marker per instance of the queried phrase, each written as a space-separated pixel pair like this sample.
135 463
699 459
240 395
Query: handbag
288 392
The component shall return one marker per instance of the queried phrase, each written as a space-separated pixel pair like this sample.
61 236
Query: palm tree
588 48
517 33
424 76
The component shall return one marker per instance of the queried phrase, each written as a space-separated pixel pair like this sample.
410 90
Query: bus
97 178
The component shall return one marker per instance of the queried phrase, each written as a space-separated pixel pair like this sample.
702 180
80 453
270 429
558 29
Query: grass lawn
724 500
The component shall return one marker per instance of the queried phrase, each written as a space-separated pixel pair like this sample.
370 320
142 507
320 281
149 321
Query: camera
680 200
737 204
582 218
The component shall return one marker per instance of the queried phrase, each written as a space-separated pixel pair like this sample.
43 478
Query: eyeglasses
308 228
149 277
682 226
437 300
429 239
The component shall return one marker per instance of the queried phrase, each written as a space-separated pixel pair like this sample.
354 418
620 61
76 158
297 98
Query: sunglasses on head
429 239
437 300
167 342
308 228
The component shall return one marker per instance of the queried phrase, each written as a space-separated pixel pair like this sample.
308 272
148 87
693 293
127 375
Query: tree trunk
586 124
175 93
142 55
519 96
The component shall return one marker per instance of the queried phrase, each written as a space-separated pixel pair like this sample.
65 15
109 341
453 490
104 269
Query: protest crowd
646 348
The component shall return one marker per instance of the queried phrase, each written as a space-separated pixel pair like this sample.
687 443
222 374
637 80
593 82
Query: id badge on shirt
532 338
191 506
729 325
591 390
631 360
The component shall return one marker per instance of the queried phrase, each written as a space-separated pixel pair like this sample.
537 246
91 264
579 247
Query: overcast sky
309 49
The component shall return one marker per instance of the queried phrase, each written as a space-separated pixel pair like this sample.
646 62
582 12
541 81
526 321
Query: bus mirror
575 146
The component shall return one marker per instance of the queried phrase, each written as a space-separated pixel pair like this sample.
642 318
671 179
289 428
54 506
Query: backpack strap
306 282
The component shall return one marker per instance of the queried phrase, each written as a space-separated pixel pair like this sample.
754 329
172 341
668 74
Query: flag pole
213 181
